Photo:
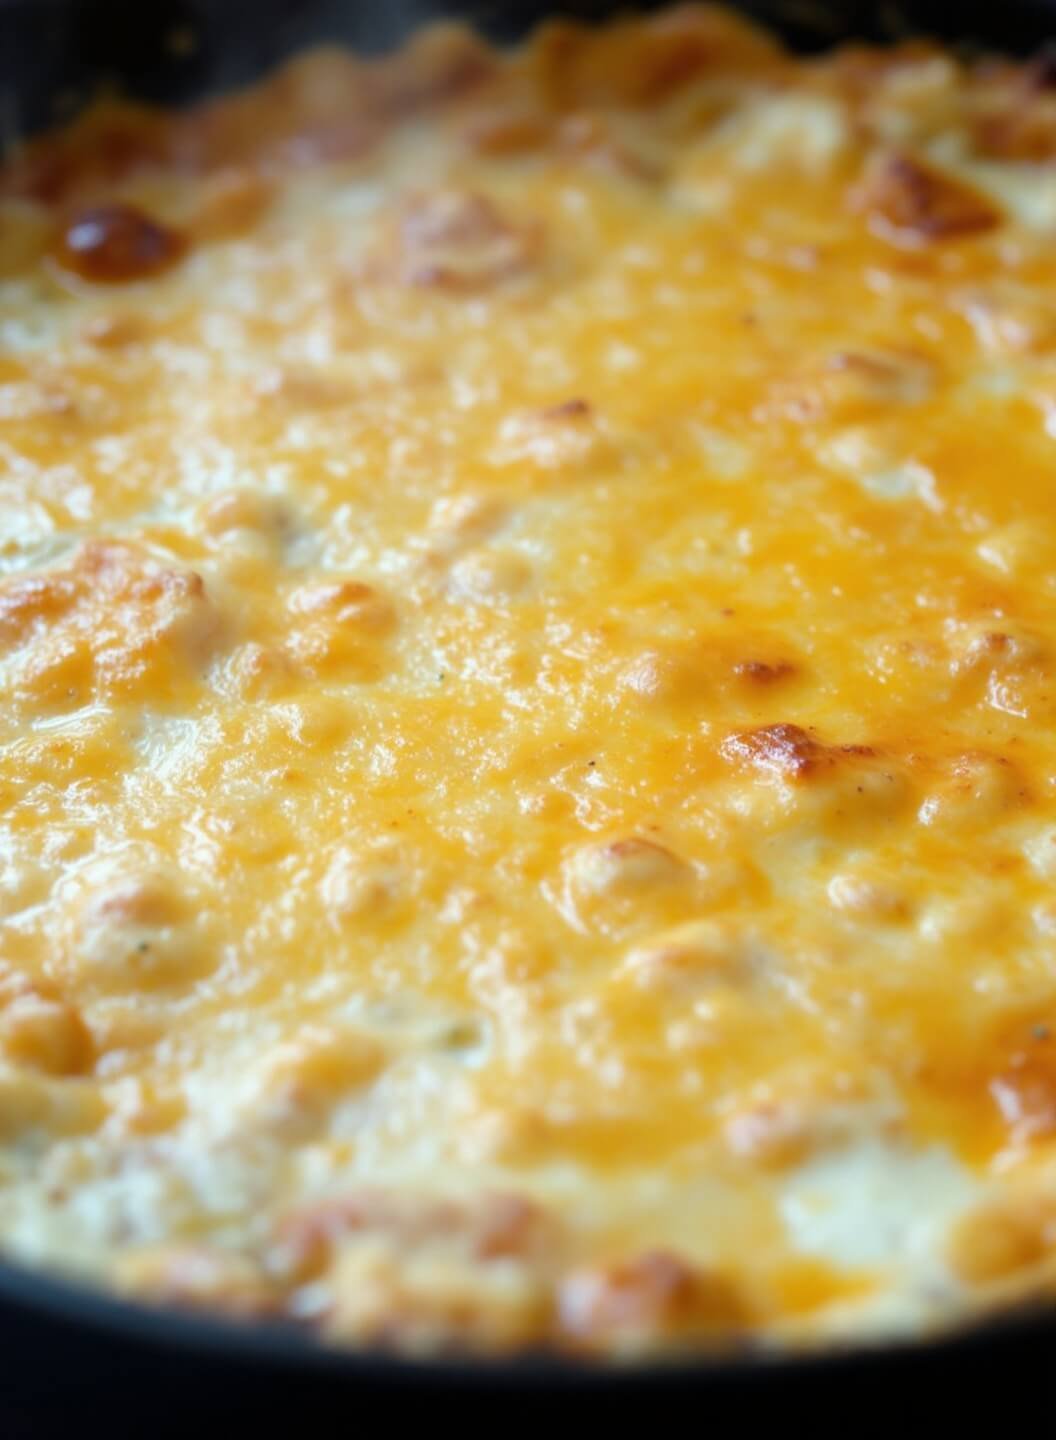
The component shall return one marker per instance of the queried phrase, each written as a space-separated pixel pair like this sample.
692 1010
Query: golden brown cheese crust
528 678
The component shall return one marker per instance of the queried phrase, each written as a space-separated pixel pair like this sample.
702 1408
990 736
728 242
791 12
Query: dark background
58 50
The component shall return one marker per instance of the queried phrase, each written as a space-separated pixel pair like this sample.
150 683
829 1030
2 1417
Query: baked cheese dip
528 710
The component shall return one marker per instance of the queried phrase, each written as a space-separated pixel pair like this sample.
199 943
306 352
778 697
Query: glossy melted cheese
528 710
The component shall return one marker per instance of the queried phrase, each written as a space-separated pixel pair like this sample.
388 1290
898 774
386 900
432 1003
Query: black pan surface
74 1360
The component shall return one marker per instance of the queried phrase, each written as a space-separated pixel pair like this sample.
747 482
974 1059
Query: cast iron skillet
70 1355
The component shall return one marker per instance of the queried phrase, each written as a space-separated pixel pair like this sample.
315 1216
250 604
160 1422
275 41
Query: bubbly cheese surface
528 694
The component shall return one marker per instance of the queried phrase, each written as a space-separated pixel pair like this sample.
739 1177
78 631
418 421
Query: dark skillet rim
292 1353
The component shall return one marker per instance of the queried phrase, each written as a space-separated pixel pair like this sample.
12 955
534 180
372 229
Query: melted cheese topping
528 663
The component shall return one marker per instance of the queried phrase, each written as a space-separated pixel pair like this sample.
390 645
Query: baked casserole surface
528 706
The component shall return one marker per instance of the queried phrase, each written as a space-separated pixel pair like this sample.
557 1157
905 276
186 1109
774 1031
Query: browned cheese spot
787 751
626 1305
911 203
114 244
460 240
